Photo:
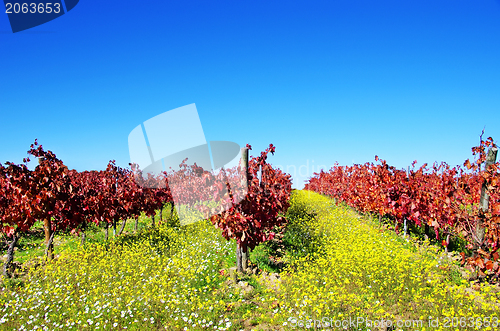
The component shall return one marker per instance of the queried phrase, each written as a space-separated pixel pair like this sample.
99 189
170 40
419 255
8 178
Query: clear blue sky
323 81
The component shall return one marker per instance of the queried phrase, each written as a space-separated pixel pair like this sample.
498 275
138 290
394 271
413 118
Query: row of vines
68 200
461 201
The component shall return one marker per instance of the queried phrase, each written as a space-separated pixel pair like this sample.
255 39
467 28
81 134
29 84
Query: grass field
331 266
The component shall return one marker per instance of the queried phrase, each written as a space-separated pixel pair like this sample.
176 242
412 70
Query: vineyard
68 201
263 257
459 202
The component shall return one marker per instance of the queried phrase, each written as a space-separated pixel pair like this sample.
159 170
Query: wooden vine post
49 251
47 227
123 226
405 224
485 197
82 237
241 248
10 255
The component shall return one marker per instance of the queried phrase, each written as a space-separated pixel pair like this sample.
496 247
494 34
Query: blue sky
323 81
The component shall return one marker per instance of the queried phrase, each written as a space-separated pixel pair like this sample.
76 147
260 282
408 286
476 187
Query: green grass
32 245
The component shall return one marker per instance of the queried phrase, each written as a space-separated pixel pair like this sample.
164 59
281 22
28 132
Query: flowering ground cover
338 266
361 271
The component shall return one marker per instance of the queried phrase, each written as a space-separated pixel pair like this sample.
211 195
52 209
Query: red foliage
444 198
72 199
251 220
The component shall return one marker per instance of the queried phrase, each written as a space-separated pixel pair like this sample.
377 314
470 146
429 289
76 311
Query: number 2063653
33 8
